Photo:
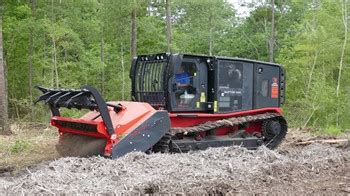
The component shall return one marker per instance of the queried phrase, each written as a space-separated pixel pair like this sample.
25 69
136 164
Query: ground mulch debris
315 168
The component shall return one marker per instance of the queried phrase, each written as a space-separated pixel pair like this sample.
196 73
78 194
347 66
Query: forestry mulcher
180 102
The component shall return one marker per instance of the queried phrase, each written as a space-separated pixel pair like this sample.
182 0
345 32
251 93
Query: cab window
185 91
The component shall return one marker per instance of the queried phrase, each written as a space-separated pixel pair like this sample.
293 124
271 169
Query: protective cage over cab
206 84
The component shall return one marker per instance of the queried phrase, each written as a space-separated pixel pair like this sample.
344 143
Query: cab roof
162 56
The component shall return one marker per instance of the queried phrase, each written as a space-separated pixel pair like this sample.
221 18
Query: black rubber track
163 146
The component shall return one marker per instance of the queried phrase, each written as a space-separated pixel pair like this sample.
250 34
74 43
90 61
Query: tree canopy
64 43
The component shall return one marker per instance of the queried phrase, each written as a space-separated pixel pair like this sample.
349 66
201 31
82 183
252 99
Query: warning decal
274 88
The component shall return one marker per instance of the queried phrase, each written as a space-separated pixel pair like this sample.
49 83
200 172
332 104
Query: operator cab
193 83
188 82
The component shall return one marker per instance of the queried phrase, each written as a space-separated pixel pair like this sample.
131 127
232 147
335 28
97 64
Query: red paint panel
191 119
124 122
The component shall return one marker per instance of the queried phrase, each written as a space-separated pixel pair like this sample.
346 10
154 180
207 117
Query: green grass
20 146
331 130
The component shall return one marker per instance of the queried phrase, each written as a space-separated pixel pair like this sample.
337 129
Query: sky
241 6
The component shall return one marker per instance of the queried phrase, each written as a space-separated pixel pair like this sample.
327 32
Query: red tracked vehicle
179 103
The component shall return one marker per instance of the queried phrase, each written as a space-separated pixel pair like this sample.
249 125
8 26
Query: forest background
69 43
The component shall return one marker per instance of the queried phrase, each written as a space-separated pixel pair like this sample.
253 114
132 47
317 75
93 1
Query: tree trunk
103 63
4 128
54 62
55 81
210 35
133 33
311 72
345 23
313 30
123 70
267 42
168 24
273 30
30 61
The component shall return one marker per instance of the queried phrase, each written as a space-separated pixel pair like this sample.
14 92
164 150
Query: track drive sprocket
274 131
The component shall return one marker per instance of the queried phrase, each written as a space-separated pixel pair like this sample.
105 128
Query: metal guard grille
77 126
150 80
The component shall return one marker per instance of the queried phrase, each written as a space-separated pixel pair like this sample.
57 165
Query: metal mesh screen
149 81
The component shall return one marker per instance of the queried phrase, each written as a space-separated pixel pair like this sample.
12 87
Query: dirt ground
291 169
29 144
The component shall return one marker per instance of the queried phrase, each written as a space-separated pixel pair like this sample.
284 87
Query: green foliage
312 57
19 146
309 42
200 22
73 113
